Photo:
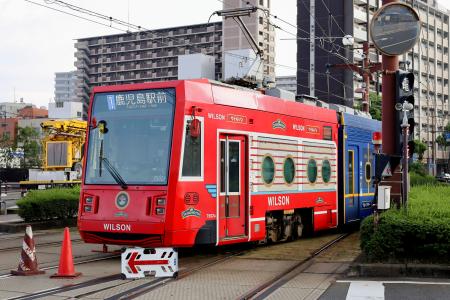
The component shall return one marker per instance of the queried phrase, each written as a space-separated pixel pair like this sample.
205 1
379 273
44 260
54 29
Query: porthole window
268 170
368 171
289 170
312 171
326 171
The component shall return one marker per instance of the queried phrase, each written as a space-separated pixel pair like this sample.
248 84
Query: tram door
232 197
352 184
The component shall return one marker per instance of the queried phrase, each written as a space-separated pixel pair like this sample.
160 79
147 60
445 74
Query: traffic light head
404 104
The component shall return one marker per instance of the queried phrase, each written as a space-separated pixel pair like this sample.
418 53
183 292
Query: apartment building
260 28
428 59
65 85
288 83
329 21
142 56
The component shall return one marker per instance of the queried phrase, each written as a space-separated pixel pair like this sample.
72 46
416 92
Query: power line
73 15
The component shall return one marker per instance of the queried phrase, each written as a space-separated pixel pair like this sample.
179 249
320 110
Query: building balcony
81 55
372 3
359 15
82 46
359 33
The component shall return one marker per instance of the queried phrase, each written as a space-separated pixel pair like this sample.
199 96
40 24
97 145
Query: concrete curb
399 270
15 227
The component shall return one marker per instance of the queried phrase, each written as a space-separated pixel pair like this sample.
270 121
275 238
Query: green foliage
51 204
441 138
419 148
28 138
420 233
418 168
416 179
375 106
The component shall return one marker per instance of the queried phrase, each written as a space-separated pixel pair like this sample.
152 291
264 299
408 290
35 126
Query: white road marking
360 290
401 282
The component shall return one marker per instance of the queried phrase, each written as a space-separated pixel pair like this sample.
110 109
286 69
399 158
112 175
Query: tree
375 106
419 148
28 138
441 140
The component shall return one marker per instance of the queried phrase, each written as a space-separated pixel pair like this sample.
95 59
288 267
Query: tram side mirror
102 127
194 128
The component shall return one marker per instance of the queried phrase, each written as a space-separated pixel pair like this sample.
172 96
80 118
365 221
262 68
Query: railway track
115 288
116 281
51 267
40 245
267 288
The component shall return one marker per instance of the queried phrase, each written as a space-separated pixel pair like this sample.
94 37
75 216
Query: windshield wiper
114 173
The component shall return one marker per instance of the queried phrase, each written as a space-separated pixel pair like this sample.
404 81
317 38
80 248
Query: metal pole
390 65
366 76
405 128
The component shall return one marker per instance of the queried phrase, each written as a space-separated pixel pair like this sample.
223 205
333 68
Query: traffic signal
404 101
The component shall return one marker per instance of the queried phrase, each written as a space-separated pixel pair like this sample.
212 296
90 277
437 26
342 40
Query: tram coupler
139 262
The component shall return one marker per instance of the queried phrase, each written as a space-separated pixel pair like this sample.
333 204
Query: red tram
182 163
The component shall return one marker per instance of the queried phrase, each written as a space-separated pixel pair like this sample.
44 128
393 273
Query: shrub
418 168
420 233
419 180
51 204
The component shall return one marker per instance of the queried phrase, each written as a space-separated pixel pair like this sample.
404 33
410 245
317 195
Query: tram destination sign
145 99
395 29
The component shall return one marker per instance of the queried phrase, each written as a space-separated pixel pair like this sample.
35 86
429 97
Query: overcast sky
36 42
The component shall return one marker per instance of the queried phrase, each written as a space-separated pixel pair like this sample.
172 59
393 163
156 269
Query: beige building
259 26
429 60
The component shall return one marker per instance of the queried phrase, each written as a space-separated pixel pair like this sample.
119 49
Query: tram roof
214 92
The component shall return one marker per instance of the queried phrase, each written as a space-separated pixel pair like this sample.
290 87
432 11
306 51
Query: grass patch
422 233
51 204
417 179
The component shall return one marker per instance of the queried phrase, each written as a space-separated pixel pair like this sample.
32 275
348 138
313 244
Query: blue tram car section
356 166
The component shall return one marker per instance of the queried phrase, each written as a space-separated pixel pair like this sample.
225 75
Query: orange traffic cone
28 263
66 268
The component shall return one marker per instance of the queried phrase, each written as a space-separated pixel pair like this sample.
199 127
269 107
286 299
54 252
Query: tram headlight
161 201
88 208
89 200
160 210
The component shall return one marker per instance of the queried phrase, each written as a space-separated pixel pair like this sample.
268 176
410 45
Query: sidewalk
10 218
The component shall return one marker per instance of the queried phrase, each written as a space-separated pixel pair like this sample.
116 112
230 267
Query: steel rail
268 287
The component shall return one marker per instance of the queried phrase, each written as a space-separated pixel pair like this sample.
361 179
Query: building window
289 170
312 171
268 170
261 2
59 104
326 171
79 114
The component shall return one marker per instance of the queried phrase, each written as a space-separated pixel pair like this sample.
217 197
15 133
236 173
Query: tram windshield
131 133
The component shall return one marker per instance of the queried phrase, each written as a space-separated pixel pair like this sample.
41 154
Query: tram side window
192 157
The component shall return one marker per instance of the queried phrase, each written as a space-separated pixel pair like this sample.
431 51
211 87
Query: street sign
385 165
395 28
139 262
447 137
387 170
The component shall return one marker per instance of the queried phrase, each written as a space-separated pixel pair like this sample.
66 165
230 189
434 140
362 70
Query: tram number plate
140 262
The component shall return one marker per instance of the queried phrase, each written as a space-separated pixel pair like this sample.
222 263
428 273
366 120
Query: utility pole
366 71
390 65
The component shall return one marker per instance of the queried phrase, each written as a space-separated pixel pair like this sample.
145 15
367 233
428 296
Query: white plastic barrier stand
139 262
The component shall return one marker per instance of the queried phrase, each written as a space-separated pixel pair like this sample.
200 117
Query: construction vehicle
62 153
